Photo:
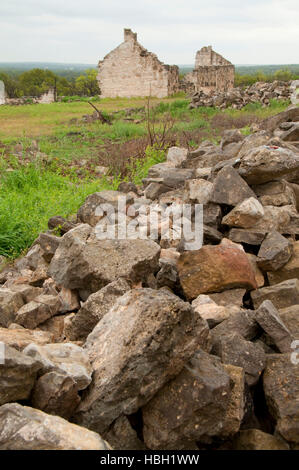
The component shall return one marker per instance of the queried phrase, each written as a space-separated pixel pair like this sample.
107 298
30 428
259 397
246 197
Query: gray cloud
259 31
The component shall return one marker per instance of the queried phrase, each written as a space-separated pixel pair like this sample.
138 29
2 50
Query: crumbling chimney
129 35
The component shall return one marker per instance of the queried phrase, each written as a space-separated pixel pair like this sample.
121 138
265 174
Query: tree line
37 81
285 75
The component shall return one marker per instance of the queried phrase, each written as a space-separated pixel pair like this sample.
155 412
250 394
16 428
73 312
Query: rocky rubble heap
146 344
259 92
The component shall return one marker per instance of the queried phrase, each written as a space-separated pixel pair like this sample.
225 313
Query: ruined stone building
130 70
2 92
211 72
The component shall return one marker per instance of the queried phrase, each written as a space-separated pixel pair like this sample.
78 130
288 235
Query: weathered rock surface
281 387
214 269
20 338
56 393
38 311
96 306
245 215
275 252
236 406
248 236
282 295
90 214
230 188
269 319
289 271
82 260
24 428
242 322
199 190
190 408
255 439
121 436
275 193
210 311
176 155
290 317
17 375
267 163
235 350
10 302
138 346
66 358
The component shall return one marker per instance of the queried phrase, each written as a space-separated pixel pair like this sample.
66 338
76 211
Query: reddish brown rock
214 269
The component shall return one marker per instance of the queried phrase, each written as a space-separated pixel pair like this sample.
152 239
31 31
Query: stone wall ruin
211 72
2 93
130 70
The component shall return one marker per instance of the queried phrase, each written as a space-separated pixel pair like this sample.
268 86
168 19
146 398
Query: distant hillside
64 70
74 70
252 69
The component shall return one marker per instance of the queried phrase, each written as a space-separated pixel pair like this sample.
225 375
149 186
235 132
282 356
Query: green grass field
55 180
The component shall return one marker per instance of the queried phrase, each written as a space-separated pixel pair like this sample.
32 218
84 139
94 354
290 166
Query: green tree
87 84
36 81
283 74
12 87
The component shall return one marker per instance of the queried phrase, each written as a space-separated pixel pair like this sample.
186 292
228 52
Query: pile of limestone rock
145 344
237 98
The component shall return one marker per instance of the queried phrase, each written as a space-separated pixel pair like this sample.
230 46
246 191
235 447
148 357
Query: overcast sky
83 31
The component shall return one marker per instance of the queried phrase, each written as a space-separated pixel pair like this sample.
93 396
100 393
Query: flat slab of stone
24 428
282 295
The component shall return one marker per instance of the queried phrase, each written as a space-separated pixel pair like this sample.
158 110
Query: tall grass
29 196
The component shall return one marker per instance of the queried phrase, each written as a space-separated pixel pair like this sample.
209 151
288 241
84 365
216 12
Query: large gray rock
176 156
192 407
27 292
272 122
267 163
38 311
290 317
24 428
281 387
84 262
65 358
199 190
17 375
282 295
243 322
230 188
143 342
275 193
172 177
93 310
275 252
269 319
10 302
235 350
88 213
56 393
284 219
289 271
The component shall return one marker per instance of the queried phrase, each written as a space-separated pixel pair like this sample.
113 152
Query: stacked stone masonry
211 72
130 70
